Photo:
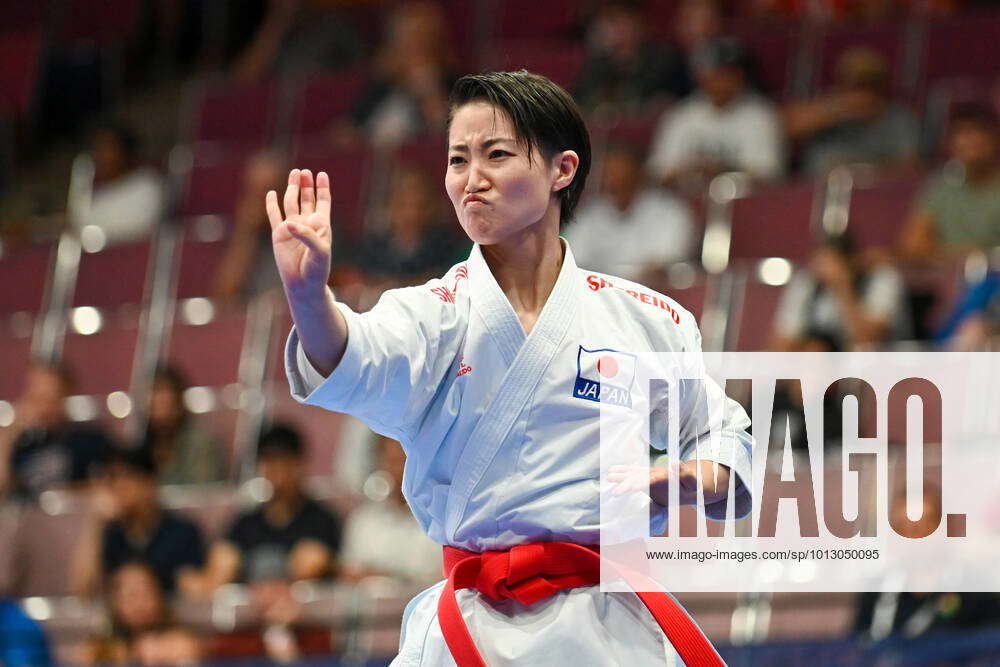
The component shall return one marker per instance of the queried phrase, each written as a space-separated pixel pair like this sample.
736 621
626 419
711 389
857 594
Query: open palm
302 238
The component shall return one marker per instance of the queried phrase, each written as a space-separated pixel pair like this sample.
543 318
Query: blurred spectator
128 523
415 241
42 449
185 452
625 69
298 37
22 640
723 126
287 538
248 268
839 303
959 208
128 198
141 628
908 614
650 226
858 122
383 527
409 90
856 11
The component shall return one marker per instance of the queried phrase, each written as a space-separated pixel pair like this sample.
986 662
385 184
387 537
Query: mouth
473 199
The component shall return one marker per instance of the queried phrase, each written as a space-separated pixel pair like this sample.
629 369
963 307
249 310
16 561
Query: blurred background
801 174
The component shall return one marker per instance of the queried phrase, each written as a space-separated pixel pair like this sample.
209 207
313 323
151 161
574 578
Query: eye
498 153
456 159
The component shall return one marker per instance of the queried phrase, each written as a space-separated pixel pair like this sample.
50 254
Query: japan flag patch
604 375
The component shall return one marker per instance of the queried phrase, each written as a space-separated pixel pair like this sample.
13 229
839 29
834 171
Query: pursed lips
472 199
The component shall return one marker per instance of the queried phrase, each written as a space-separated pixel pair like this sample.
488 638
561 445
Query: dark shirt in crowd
176 544
265 547
43 459
913 615
657 72
438 250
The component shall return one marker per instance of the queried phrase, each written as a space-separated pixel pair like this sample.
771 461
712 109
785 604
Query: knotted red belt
531 572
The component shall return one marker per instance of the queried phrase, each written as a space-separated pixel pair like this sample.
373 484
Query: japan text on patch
604 375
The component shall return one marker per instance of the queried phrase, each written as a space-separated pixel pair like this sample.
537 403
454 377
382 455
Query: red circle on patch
607 366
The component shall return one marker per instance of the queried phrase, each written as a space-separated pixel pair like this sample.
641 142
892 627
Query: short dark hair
280 439
544 116
137 460
979 115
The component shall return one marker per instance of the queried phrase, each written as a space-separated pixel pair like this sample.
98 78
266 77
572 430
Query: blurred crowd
712 112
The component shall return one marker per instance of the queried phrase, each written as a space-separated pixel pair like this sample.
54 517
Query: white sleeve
884 295
763 152
790 318
670 147
714 427
397 355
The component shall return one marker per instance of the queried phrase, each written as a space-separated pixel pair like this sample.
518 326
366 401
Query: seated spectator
379 530
858 122
959 208
409 90
247 267
127 523
625 69
128 199
296 38
414 241
723 126
141 628
185 452
651 227
42 449
287 538
911 614
838 303
696 22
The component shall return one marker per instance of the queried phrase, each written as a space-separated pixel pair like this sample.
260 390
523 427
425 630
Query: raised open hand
303 239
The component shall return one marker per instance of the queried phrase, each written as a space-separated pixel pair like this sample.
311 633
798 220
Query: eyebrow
486 144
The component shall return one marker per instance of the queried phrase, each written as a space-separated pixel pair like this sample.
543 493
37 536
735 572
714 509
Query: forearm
85 571
321 328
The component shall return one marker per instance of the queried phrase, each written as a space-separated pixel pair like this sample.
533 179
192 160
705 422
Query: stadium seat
560 61
14 361
198 264
214 180
774 221
20 53
241 115
349 170
43 545
24 270
877 214
323 99
128 263
752 321
209 354
774 48
103 22
528 19
102 361
810 615
961 46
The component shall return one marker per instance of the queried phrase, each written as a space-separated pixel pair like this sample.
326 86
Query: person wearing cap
722 126
128 523
288 537
858 122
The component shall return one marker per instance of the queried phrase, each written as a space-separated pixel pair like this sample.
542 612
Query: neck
281 508
143 520
526 268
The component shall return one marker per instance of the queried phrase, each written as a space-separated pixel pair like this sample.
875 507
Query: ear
564 164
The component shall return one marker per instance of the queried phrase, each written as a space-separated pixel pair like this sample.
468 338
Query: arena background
137 138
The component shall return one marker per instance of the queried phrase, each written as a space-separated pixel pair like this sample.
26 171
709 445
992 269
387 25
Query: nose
477 181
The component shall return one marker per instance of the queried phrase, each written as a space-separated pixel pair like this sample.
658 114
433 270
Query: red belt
531 572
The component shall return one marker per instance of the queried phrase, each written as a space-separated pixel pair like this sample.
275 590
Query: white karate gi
500 451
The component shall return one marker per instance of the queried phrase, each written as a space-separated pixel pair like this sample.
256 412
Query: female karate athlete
482 375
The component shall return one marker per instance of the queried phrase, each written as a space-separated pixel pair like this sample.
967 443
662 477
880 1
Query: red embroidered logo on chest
463 368
444 294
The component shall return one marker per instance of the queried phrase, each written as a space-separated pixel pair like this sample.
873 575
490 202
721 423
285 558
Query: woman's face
496 190
136 598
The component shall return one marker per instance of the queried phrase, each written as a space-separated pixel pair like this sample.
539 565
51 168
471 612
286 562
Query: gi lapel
527 359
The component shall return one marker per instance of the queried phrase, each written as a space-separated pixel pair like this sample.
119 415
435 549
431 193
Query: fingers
323 197
307 236
273 210
308 192
292 193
